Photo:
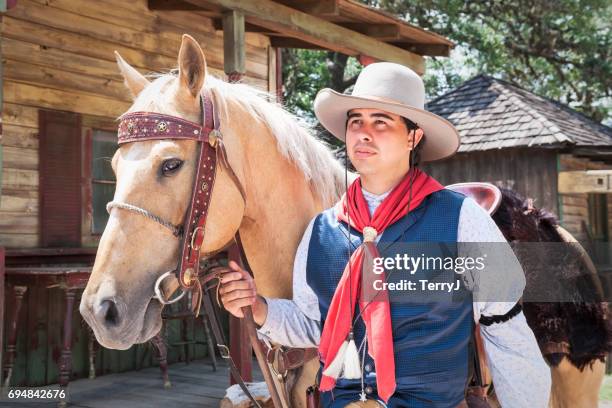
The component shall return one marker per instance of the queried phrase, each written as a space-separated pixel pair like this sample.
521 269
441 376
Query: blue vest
430 338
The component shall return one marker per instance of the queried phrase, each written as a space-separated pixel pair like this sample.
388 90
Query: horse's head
156 175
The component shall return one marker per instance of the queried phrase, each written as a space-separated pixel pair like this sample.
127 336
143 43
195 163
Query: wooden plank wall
575 207
39 342
531 172
58 54
2 297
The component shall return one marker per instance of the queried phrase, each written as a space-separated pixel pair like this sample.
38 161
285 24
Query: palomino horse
288 177
276 161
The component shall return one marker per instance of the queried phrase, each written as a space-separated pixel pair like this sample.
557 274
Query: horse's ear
133 79
192 65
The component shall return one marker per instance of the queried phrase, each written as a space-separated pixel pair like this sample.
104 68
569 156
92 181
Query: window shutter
60 178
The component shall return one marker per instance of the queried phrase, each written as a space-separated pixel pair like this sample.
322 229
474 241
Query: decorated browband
139 126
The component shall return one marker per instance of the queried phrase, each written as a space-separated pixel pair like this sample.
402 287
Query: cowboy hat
392 88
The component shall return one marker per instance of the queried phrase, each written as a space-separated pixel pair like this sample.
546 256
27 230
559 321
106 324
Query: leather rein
143 126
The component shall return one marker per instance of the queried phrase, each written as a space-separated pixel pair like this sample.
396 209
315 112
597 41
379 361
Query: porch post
234 57
234 51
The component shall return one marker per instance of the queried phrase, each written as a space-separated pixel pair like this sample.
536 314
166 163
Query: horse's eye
171 166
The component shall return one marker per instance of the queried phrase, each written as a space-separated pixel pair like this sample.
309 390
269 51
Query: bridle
142 126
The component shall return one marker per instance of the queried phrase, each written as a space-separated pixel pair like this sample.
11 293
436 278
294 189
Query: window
103 147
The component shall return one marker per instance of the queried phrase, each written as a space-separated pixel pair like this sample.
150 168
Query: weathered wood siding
58 54
531 172
575 207
39 342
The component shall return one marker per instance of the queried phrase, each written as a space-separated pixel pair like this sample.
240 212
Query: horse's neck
280 203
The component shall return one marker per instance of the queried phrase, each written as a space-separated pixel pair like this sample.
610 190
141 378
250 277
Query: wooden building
61 93
516 139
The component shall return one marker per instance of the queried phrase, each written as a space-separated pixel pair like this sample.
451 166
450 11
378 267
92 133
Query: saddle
486 195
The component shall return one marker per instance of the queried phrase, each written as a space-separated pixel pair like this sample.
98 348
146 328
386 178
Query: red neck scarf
376 315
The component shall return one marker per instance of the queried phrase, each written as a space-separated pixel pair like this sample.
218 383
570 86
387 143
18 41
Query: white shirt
520 374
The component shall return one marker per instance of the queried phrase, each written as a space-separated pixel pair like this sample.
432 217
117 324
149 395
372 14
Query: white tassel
346 361
335 368
352 368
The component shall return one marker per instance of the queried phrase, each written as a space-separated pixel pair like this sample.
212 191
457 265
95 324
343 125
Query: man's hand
237 290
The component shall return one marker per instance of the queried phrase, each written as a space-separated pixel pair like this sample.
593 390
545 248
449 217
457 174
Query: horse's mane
295 139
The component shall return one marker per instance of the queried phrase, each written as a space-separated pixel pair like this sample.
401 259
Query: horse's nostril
108 309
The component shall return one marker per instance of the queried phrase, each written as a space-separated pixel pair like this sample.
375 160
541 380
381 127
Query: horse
288 177
287 174
574 336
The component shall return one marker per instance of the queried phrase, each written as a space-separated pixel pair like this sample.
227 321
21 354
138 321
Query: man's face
377 141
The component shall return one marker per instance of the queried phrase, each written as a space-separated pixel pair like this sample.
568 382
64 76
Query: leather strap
312 397
489 320
286 359
482 377
140 126
211 154
224 349
257 345
194 223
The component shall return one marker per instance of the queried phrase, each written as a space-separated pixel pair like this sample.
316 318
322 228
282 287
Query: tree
555 48
305 72
558 49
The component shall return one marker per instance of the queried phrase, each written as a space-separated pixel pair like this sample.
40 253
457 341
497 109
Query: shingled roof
494 114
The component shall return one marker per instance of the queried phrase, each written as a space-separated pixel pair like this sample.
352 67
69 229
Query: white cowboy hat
392 88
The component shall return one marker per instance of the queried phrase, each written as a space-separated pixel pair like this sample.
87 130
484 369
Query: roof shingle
493 114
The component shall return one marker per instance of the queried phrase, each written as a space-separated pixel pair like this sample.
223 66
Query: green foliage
555 48
559 49
305 72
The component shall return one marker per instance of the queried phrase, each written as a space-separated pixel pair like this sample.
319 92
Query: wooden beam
289 42
383 32
234 50
292 22
314 7
272 71
182 5
169 5
587 181
440 50
279 75
248 28
593 153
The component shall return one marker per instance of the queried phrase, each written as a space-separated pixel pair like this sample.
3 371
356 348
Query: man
375 350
